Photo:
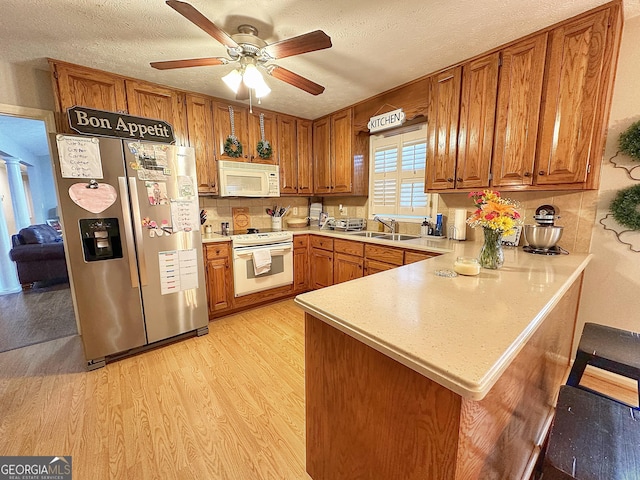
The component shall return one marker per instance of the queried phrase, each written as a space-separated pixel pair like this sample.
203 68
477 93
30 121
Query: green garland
629 141
626 207
232 147
264 149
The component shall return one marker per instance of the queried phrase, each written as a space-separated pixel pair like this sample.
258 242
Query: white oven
279 246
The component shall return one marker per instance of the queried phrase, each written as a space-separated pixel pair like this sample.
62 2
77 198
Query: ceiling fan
250 52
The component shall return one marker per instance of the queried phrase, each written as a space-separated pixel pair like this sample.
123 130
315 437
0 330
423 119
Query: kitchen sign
117 125
386 121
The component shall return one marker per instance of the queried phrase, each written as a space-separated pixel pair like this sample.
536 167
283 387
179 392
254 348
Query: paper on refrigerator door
79 157
184 215
178 270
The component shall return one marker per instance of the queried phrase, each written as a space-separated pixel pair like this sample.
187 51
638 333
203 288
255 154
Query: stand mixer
542 238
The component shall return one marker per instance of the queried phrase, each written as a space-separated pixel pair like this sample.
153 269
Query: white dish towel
261 261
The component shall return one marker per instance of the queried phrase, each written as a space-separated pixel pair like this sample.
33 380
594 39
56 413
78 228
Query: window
397 176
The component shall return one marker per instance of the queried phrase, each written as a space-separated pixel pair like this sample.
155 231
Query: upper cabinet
531 115
154 101
79 86
230 119
442 129
336 170
571 100
294 155
518 109
269 126
201 138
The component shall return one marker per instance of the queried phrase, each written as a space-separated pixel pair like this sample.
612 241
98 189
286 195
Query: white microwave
239 179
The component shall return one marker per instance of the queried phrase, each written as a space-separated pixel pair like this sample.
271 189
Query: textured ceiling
376 44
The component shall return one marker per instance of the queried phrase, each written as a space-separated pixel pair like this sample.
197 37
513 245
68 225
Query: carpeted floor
38 315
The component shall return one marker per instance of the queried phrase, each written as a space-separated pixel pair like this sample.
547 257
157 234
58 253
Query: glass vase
491 254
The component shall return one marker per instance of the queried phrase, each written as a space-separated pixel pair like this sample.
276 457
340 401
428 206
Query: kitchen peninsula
412 375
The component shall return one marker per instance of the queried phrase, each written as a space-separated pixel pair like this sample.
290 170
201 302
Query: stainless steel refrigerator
130 218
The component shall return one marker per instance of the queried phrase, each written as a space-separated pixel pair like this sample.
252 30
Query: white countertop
461 332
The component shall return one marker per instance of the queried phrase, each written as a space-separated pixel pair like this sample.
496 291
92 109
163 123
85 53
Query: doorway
32 309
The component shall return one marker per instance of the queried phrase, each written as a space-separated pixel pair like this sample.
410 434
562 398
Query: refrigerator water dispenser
100 239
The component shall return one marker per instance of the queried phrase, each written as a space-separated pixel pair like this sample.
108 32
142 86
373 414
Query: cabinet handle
541 172
217 252
459 179
527 174
450 180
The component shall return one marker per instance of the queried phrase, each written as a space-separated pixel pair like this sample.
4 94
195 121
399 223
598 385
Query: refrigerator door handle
128 232
137 223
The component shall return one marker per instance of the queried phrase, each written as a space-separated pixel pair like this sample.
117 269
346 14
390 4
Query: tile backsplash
577 210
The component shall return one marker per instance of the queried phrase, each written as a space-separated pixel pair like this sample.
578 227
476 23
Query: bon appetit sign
111 124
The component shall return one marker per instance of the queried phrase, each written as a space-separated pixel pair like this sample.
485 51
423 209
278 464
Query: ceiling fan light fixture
232 80
262 89
252 77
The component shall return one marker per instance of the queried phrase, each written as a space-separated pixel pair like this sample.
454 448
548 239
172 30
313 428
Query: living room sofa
39 255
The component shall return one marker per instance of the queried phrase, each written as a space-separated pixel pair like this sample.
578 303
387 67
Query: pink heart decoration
94 200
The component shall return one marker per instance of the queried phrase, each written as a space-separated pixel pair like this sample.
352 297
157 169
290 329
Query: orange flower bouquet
497 216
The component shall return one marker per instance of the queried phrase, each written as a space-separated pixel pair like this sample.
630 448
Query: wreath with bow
233 147
264 149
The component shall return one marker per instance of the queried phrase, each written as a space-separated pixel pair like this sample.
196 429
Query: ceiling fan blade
309 42
243 92
194 62
294 79
190 13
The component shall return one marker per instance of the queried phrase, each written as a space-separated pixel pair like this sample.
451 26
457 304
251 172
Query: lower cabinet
348 261
219 277
375 266
300 263
321 261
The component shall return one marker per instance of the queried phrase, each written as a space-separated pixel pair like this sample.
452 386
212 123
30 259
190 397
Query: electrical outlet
295 210
343 211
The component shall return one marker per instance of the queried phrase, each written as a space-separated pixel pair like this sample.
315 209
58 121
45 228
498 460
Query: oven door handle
276 252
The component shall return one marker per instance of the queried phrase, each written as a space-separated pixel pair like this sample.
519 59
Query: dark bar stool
610 349
592 438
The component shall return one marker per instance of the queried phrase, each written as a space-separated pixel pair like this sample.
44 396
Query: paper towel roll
459 228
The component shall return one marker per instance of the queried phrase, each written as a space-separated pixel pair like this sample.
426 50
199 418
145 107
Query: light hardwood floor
228 405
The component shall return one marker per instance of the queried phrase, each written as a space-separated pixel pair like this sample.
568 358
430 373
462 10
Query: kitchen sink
398 237
369 234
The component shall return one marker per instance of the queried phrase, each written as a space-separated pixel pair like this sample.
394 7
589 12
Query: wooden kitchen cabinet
154 101
413 256
80 86
477 119
517 112
348 261
295 138
379 258
219 277
201 138
571 102
270 134
300 263
222 129
442 129
333 163
321 261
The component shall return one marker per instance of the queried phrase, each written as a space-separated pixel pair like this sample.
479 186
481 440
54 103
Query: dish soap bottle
424 228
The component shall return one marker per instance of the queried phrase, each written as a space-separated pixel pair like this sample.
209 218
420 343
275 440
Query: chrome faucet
391 225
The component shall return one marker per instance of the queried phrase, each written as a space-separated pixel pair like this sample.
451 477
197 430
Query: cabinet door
222 128
88 88
477 119
342 163
219 285
270 135
442 129
518 109
287 155
321 156
300 270
153 101
321 266
571 99
347 267
200 125
305 156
